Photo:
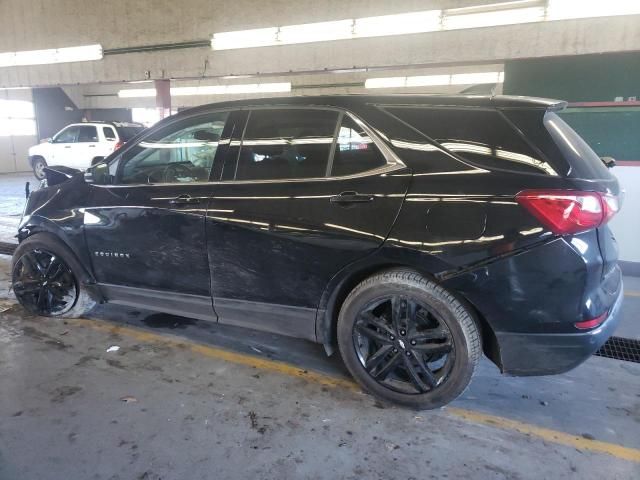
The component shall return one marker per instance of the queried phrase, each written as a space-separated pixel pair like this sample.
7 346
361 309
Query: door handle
184 200
92 146
67 146
346 198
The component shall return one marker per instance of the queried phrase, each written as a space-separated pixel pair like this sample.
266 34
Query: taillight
566 211
593 323
118 145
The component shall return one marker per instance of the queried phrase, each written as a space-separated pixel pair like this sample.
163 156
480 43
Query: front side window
87 134
286 144
355 151
68 135
180 153
483 137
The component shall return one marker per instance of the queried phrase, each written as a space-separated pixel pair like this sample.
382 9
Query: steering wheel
173 171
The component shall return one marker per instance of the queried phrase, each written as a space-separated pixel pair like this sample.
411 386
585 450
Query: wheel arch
347 279
33 158
39 225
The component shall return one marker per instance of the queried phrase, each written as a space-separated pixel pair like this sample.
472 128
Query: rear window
585 163
482 137
127 133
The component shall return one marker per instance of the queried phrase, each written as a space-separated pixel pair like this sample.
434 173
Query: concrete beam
474 46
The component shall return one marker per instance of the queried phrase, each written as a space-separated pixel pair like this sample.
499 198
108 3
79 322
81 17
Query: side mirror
98 174
609 162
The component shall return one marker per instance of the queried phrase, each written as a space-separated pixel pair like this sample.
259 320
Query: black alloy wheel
403 344
44 284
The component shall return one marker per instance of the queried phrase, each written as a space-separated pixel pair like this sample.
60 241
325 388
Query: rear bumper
524 354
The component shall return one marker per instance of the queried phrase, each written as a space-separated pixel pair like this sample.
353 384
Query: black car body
268 214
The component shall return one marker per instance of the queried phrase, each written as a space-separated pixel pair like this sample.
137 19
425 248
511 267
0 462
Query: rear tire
407 340
38 167
47 278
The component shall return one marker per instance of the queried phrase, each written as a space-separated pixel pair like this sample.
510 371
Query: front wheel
408 340
38 168
46 278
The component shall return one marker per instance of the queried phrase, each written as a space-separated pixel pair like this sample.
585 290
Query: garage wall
119 24
14 148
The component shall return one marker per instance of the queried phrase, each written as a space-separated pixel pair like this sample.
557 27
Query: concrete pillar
163 98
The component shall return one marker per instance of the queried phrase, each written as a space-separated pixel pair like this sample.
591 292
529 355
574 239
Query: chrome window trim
393 162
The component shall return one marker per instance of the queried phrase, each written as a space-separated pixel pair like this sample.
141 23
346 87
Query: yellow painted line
548 435
632 294
553 436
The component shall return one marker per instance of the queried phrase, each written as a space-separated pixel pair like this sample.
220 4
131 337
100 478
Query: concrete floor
204 401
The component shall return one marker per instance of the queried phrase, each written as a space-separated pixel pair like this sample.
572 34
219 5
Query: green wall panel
583 78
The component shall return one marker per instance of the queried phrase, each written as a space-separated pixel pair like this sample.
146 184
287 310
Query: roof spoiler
556 107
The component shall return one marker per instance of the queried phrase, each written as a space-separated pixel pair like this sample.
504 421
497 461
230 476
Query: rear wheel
46 278
407 340
38 168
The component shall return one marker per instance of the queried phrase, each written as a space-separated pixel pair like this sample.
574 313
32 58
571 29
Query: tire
38 167
96 160
63 289
424 365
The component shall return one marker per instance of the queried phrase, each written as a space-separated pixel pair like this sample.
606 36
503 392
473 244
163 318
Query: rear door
303 193
86 147
146 231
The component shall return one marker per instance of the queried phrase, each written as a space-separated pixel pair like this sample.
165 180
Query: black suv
413 232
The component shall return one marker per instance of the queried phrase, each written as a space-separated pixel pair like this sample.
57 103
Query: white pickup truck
81 145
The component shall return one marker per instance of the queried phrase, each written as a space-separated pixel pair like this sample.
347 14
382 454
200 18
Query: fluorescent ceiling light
404 23
210 90
137 93
316 32
49 56
566 9
453 21
258 37
232 89
435 80
504 13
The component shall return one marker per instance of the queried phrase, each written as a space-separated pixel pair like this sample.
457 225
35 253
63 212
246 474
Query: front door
62 147
146 231
304 193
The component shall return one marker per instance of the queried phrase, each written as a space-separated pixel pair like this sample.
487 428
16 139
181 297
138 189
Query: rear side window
109 134
355 151
482 137
286 144
585 163
88 134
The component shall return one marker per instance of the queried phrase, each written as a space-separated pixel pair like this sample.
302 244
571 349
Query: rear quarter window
585 163
482 137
